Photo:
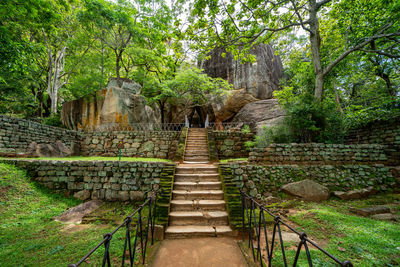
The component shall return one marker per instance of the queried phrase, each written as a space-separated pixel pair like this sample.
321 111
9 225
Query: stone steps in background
197 206
200 205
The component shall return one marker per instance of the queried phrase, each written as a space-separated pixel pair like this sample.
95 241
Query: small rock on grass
385 217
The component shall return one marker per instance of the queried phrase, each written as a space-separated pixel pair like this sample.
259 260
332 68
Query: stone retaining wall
231 144
108 180
16 134
258 180
379 132
156 144
317 154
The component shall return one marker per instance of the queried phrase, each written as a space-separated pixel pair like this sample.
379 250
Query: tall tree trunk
315 41
102 66
162 110
386 78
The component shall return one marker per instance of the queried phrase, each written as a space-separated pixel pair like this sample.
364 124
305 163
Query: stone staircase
197 206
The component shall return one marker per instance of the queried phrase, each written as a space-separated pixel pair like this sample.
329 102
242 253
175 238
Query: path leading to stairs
198 214
199 252
197 206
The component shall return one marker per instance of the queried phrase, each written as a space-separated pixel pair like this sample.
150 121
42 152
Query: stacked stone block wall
156 144
108 180
380 132
318 154
16 134
231 144
258 180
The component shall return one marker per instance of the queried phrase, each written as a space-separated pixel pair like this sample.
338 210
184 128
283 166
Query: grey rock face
259 79
307 190
112 107
264 112
57 149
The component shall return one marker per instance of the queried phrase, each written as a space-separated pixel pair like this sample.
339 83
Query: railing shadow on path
257 227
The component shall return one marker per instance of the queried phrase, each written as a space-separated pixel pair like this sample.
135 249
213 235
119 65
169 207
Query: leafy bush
53 120
308 120
357 116
246 129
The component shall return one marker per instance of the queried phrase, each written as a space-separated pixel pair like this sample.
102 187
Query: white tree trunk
54 81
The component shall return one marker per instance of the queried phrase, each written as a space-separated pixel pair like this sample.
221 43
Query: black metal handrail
232 126
249 220
141 234
152 127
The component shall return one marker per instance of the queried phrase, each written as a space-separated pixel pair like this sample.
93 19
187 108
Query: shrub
308 120
53 120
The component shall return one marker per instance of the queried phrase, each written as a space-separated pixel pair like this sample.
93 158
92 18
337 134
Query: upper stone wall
152 144
317 154
16 134
379 132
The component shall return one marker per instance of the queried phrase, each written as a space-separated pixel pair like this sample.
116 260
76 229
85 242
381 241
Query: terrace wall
16 135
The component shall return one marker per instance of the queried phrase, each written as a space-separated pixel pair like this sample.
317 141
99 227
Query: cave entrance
196 118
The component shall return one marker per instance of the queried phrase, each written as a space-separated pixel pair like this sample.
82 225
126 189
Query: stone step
193 153
191 177
196 168
197 231
197 185
196 158
196 144
199 147
198 218
196 162
197 195
193 205
198 151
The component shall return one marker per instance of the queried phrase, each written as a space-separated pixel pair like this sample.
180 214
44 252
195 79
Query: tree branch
320 4
359 46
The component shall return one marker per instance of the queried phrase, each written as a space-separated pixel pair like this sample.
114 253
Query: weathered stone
82 195
115 106
158 232
307 189
385 217
75 214
373 210
123 195
259 79
271 199
260 113
136 195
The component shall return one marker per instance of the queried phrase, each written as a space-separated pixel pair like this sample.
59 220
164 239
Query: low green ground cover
334 225
235 159
29 236
80 158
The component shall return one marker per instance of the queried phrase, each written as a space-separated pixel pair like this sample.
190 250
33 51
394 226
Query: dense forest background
340 57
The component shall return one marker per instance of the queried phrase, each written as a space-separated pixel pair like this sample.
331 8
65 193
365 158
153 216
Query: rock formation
57 149
259 79
307 190
264 112
252 82
114 106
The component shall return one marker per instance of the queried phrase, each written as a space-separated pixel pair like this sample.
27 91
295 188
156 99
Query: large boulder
259 79
264 112
57 149
307 190
226 107
119 105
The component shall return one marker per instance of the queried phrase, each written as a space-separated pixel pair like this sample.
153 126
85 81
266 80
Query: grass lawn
332 224
101 159
235 159
29 236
